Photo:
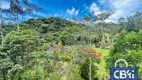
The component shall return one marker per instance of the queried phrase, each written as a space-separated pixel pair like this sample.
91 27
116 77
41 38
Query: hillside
45 25
45 47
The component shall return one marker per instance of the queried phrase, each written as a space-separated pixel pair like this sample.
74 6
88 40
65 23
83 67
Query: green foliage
34 53
37 73
18 45
5 63
132 23
16 51
15 72
127 46
44 25
73 72
65 58
63 37
84 70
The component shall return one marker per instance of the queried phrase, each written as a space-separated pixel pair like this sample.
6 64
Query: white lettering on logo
124 74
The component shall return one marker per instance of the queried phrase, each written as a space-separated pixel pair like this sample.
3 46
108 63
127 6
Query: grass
102 71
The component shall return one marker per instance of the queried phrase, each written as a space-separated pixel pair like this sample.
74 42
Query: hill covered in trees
57 49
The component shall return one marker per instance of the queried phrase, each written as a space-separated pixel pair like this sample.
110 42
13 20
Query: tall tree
1 31
17 10
122 23
100 18
88 22
134 22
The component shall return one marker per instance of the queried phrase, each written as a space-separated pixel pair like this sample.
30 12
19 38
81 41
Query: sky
66 9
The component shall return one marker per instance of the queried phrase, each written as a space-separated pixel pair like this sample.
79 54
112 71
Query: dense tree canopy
46 47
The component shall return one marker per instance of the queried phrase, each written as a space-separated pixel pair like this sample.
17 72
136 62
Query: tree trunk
90 66
17 17
90 69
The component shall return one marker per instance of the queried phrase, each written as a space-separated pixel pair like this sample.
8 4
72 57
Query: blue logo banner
124 73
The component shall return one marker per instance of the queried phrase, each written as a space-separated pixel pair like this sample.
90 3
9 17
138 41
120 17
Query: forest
58 49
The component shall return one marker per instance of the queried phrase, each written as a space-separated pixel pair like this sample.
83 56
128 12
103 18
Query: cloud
124 8
94 8
72 11
58 15
121 8
103 1
5 5
41 14
109 20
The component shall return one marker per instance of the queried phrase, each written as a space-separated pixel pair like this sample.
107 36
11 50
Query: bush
127 46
